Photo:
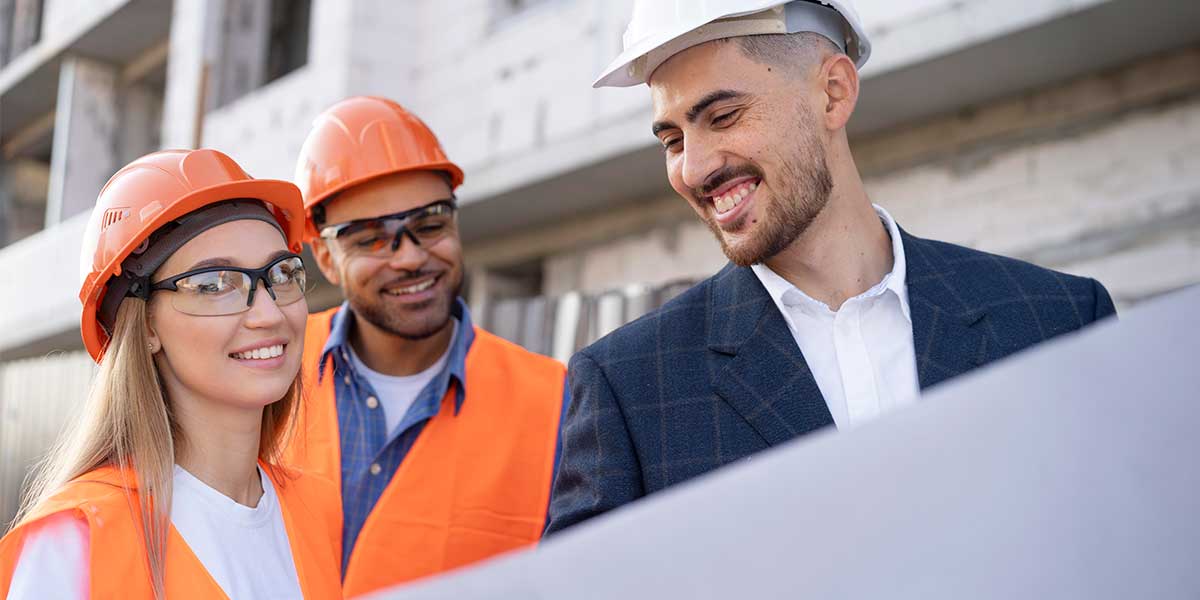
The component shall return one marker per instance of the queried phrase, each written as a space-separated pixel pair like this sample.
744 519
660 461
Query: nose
700 159
264 312
410 256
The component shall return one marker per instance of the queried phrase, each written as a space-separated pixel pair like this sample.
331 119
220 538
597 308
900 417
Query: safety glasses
381 236
222 290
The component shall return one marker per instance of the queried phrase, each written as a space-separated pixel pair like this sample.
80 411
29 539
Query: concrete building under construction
1064 132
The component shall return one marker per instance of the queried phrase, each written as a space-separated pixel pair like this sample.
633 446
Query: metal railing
559 326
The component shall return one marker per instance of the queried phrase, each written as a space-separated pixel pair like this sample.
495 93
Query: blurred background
1063 132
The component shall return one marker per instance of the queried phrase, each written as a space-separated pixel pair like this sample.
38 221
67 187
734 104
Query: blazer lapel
946 341
759 370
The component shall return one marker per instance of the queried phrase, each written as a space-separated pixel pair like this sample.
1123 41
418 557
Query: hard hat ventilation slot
111 216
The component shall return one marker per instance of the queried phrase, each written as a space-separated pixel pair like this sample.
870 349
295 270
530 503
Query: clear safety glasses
222 290
381 236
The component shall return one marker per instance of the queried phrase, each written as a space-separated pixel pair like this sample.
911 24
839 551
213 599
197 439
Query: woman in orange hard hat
168 484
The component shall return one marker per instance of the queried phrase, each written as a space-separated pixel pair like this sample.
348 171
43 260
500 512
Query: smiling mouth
264 353
415 288
731 198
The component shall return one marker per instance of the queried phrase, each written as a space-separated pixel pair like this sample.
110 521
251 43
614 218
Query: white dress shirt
862 355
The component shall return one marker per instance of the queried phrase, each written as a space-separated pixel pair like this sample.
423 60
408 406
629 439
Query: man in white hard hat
829 313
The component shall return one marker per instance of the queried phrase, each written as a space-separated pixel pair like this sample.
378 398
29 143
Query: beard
415 322
802 190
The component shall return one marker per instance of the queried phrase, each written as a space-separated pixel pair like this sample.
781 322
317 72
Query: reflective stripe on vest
473 485
119 567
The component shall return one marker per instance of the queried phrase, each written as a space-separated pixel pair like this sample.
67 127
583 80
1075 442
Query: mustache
720 177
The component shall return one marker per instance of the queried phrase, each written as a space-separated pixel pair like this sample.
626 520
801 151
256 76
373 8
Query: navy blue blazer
714 375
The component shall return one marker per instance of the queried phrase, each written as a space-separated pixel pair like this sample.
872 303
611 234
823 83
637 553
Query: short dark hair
787 49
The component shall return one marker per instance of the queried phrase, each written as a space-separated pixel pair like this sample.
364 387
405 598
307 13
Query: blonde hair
127 423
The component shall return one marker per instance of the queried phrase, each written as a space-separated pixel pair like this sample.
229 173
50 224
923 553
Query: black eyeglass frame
171 283
332 232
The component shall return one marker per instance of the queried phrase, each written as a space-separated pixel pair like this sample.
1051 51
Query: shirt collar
783 293
897 279
456 362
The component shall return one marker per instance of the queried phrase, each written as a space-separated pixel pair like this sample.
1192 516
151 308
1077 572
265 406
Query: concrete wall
264 129
40 310
22 198
1097 176
84 154
65 17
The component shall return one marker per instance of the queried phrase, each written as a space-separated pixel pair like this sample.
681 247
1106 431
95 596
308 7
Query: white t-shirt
245 550
395 395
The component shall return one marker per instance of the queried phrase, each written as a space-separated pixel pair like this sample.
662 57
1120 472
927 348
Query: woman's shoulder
56 536
94 491
52 558
61 534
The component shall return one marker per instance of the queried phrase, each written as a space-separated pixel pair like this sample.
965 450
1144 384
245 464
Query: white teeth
412 289
261 353
734 197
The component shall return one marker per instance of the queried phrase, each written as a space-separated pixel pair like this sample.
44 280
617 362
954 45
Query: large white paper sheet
1069 471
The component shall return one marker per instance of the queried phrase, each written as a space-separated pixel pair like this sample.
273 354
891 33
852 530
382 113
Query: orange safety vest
474 484
120 568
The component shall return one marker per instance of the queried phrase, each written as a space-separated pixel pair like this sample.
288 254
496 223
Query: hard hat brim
624 71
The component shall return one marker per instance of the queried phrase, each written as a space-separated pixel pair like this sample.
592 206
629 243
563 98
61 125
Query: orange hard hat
156 190
359 139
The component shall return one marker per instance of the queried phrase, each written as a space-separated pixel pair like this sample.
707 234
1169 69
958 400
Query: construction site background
1063 132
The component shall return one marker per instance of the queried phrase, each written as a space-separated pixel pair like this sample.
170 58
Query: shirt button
346 379
375 468
372 402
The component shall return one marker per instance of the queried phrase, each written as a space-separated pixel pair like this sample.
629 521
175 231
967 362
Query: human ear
839 78
326 262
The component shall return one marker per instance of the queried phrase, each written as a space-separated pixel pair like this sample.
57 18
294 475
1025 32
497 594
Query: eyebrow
222 261
694 112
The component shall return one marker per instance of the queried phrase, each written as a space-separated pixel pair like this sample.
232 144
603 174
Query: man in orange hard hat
443 437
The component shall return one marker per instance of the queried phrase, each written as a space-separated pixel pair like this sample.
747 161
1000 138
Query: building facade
1064 132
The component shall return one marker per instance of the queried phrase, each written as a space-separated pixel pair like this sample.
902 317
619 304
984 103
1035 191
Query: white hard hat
660 29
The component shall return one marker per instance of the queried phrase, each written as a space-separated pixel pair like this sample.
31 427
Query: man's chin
742 257
421 334
416 322
741 246
420 328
